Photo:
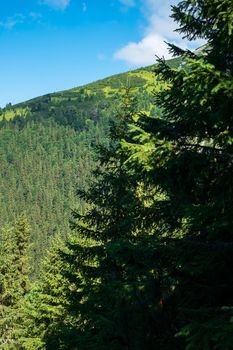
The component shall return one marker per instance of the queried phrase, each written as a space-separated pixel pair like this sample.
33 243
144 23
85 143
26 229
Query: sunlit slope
88 101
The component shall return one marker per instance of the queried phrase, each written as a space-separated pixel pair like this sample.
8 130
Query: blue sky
52 45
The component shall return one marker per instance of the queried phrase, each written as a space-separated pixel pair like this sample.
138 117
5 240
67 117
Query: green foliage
99 233
14 281
72 107
186 156
42 164
112 269
46 148
149 261
44 308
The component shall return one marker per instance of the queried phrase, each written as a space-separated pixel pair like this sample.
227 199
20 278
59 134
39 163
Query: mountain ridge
139 78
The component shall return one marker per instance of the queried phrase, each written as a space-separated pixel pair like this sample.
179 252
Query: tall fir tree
101 230
187 157
116 290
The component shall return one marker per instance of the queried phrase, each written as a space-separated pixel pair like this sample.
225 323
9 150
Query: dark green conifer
187 156
107 261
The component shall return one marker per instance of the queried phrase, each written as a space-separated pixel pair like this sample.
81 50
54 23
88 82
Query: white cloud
143 52
160 27
129 3
59 4
20 18
12 21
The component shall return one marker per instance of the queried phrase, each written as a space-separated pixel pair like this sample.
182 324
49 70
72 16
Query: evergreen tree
186 156
14 280
43 308
53 314
107 261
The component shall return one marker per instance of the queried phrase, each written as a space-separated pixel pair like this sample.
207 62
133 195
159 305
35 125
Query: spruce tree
186 156
43 308
14 281
115 290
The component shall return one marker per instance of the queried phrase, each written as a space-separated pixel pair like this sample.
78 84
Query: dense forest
46 151
117 204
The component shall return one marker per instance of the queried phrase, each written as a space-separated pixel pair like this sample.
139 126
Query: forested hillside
73 107
42 164
46 148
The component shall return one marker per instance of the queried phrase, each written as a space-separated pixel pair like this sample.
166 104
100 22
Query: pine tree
186 156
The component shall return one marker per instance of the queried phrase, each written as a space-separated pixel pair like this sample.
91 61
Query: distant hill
46 150
87 100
